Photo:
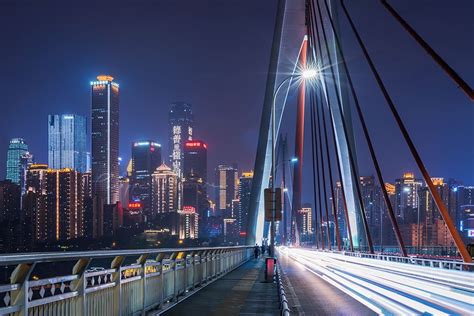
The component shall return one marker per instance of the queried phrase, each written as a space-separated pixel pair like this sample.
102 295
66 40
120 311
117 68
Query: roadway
324 283
309 294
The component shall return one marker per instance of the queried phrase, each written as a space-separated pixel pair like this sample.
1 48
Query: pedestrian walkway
241 292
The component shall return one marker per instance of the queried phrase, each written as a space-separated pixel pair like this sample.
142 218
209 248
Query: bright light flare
309 73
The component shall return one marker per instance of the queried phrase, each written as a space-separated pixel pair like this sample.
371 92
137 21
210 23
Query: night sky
214 55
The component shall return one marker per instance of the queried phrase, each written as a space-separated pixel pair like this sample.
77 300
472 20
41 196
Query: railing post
81 283
21 275
159 258
142 261
116 264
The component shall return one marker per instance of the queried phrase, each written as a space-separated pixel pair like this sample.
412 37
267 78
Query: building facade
195 159
227 183
164 197
146 158
67 142
180 127
56 203
407 198
15 169
245 188
105 139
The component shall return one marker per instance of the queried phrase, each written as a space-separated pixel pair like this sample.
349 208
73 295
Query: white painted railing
155 276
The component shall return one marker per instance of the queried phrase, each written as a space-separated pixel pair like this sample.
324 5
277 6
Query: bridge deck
241 292
308 294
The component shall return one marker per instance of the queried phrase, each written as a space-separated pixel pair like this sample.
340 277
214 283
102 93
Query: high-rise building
105 139
307 220
35 201
10 217
164 196
55 201
146 158
88 204
164 200
465 211
194 195
9 200
180 130
245 188
227 183
67 142
195 159
407 198
15 170
26 160
374 204
188 223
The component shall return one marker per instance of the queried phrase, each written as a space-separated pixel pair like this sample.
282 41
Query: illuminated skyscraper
16 150
55 201
245 188
180 130
146 157
164 197
227 188
407 195
67 144
105 139
195 159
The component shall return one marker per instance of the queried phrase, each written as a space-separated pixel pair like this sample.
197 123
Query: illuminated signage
189 209
196 144
134 205
470 233
146 144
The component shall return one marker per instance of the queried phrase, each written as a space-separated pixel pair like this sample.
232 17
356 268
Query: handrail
16 258
121 289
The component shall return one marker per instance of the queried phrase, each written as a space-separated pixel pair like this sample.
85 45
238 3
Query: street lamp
306 74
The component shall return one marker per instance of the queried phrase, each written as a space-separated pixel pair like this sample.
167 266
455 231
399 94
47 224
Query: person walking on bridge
256 251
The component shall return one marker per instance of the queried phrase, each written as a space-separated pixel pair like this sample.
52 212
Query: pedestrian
263 249
256 251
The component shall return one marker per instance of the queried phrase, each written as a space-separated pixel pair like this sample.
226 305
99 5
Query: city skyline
146 98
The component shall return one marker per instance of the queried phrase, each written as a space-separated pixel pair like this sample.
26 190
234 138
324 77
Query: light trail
392 287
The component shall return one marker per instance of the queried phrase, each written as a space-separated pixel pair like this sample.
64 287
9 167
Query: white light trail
392 287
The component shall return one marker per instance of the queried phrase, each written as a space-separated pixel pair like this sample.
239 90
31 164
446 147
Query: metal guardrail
419 261
284 308
155 277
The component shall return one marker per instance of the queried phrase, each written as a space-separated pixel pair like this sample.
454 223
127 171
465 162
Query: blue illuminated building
67 142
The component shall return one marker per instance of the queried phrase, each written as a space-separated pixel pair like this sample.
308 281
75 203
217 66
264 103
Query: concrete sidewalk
241 292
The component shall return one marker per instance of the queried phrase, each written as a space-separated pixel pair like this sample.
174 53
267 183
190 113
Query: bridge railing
134 281
454 264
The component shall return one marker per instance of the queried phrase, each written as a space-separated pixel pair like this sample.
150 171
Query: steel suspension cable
316 143
434 193
345 129
367 137
313 154
331 183
437 58
345 209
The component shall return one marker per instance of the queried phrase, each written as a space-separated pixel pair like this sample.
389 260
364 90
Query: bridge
337 266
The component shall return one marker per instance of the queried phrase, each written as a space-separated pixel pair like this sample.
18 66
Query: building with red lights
195 159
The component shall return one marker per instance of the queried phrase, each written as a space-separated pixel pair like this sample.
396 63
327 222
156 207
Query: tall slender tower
105 139
180 130
146 157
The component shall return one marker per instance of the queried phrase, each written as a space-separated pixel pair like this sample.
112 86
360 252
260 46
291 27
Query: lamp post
285 190
307 74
